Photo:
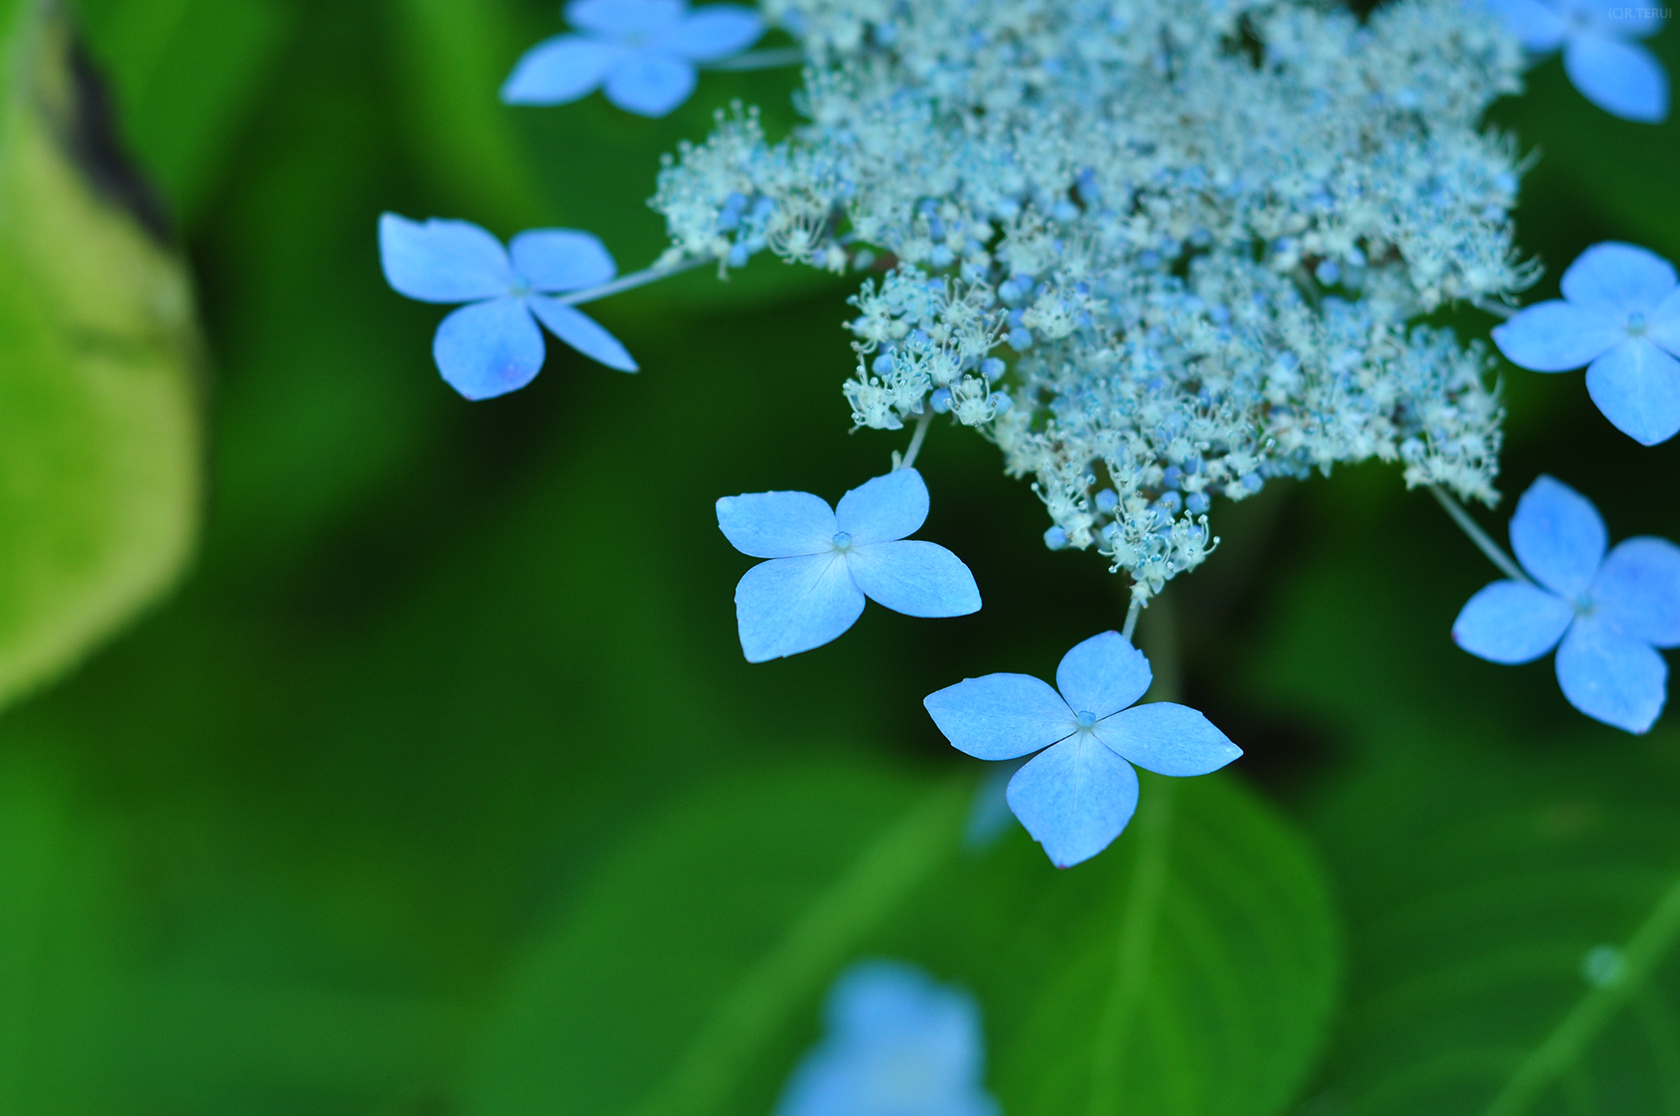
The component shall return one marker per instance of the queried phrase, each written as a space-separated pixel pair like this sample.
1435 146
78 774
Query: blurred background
373 752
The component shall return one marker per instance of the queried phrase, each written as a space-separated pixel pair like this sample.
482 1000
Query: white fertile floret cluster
1159 250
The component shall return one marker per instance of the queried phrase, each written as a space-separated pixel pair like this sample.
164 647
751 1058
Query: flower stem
768 59
916 440
1132 612
1497 309
1496 553
631 281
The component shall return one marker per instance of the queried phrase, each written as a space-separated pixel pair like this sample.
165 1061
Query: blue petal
1168 739
1623 79
1637 386
1663 324
885 508
618 18
1537 27
561 259
650 83
1557 336
560 70
488 349
1000 716
777 524
1616 279
1074 798
442 261
1103 675
1558 537
1612 677
1512 622
788 605
914 577
713 32
582 333
886 1003
1638 590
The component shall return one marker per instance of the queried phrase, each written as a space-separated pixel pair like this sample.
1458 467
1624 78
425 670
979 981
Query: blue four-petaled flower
492 345
1620 316
1079 792
824 561
898 1044
643 51
1605 614
1619 76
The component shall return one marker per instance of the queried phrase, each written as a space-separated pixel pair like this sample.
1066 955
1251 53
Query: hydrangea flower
1137 259
898 1044
1619 76
1079 792
823 562
1605 614
492 345
1620 316
644 51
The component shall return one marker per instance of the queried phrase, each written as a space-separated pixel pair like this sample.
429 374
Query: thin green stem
634 279
916 439
1132 611
1496 553
1570 1039
769 58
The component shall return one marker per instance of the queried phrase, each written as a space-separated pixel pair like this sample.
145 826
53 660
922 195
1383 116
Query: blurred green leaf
1189 970
99 439
186 73
1510 870
56 955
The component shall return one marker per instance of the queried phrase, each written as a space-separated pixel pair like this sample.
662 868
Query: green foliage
99 355
1189 971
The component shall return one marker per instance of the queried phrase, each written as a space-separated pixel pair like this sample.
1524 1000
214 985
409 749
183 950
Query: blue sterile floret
492 345
643 52
1605 614
1619 316
1079 792
1616 74
897 1044
824 562
1116 235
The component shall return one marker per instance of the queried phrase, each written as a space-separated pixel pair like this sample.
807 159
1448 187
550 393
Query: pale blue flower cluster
898 1044
1605 613
1599 54
1147 264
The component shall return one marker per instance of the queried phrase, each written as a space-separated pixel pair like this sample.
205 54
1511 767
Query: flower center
1085 719
842 541
1636 323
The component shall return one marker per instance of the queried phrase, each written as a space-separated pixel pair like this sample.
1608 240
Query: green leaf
99 439
1188 970
1510 870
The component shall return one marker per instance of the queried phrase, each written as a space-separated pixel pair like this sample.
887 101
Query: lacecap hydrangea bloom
1600 52
1620 317
641 53
1605 613
898 1044
823 562
1079 791
1159 251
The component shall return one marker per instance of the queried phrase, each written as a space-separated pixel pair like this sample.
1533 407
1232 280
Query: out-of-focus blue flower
1620 314
643 51
492 346
1619 76
1609 612
898 1044
1077 794
824 562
